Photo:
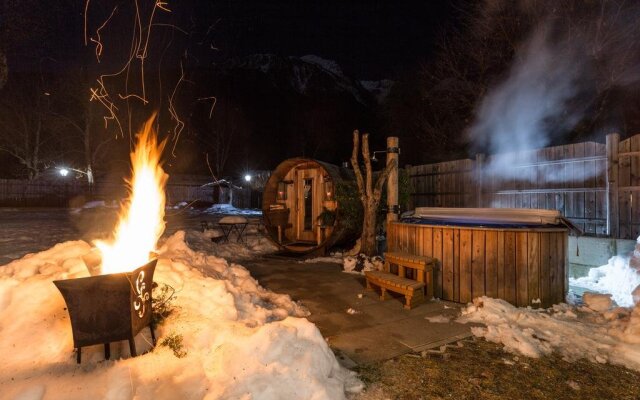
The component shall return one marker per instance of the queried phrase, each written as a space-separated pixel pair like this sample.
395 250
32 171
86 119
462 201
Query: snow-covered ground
240 340
597 331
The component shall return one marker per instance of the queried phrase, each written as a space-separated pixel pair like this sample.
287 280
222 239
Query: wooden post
392 184
613 214
478 171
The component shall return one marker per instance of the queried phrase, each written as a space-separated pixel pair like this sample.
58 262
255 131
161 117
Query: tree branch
356 167
377 193
367 164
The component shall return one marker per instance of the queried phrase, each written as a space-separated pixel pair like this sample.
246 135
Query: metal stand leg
107 351
153 334
79 355
132 347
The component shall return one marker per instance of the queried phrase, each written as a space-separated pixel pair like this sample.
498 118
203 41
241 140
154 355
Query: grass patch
174 342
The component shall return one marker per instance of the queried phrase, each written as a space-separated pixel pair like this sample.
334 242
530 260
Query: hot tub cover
489 216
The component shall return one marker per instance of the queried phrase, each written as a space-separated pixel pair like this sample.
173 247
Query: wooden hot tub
517 255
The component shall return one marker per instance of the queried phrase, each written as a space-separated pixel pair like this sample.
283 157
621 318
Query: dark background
438 60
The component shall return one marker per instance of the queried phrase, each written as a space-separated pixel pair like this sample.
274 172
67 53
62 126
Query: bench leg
383 294
407 304
369 287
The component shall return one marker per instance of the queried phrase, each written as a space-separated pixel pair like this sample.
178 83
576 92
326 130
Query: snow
336 259
254 244
327 65
438 319
610 336
379 89
228 209
241 340
360 263
616 278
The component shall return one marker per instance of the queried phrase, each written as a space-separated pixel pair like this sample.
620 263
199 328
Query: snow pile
254 243
616 278
360 263
611 336
240 340
228 209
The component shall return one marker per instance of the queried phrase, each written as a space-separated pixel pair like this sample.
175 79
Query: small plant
174 342
327 217
162 306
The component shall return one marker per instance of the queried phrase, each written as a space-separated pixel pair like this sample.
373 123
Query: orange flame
141 219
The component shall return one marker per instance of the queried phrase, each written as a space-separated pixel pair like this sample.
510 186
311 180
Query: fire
141 218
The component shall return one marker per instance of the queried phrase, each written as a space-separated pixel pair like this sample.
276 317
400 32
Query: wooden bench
412 289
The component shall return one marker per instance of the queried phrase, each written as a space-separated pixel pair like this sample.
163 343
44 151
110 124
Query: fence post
393 209
613 141
478 172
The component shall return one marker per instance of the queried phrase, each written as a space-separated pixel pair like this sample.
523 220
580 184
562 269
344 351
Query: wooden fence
73 192
592 184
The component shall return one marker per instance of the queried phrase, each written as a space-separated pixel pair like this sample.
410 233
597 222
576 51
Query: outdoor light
374 159
64 171
247 178
328 189
282 190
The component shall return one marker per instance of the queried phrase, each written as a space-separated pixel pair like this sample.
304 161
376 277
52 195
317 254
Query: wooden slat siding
465 276
444 240
411 239
563 271
578 181
501 266
510 276
569 183
533 180
545 265
556 254
590 182
427 250
533 266
456 263
601 197
635 181
442 251
477 263
491 263
522 285
624 179
562 200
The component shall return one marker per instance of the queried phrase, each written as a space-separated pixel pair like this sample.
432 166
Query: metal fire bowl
109 308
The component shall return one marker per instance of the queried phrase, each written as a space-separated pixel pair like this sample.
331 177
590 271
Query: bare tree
370 193
23 135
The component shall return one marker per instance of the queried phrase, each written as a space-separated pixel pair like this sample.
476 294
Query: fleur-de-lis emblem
139 303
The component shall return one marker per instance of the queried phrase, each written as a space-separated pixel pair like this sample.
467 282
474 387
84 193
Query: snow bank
228 209
241 340
616 278
253 244
610 336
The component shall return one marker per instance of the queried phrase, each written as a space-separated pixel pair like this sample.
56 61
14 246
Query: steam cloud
553 82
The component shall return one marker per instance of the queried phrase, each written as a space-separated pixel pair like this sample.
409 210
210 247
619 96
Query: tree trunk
369 193
368 239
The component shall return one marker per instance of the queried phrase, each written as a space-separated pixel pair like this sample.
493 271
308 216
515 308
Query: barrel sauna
300 210
516 255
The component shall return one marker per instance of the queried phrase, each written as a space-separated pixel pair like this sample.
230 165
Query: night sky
369 40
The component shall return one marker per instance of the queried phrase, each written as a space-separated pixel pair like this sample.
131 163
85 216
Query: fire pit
109 308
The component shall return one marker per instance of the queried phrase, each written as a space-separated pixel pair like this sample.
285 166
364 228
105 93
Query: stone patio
377 330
